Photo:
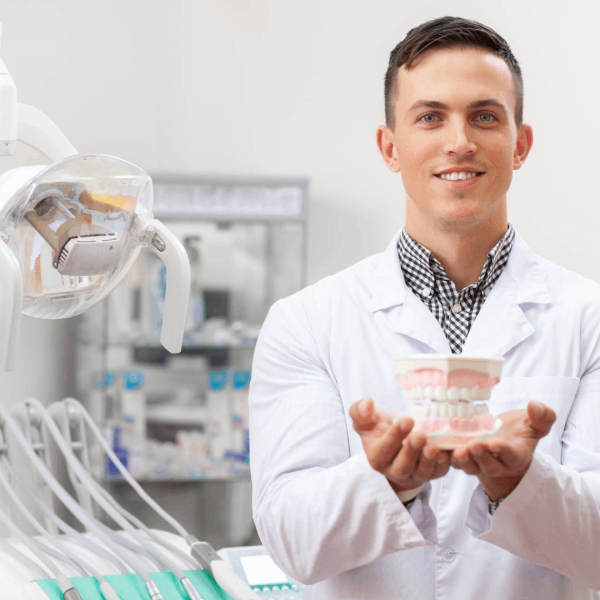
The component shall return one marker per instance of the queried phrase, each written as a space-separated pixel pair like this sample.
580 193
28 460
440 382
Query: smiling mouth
446 176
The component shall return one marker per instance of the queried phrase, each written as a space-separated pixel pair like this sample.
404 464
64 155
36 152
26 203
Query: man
346 498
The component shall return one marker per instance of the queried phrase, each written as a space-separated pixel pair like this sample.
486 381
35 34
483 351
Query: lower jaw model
446 394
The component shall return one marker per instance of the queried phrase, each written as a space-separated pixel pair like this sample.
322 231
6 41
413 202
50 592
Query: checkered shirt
454 311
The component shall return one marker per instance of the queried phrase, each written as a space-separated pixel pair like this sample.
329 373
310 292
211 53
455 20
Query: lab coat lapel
501 323
406 314
415 320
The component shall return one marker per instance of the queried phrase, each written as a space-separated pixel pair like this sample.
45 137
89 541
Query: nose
459 138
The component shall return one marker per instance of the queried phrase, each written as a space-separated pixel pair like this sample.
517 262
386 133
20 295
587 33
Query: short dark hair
448 32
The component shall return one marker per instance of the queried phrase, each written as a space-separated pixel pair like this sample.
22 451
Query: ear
387 148
523 145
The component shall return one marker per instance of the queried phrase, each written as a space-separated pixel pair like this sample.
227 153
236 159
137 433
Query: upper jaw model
446 393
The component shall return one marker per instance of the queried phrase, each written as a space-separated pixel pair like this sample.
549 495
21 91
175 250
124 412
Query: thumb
362 414
541 417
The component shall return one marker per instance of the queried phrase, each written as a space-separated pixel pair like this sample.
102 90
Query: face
454 111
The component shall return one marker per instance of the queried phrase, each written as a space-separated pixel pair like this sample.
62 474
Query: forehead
455 75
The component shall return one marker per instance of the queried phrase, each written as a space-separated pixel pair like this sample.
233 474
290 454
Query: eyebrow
440 105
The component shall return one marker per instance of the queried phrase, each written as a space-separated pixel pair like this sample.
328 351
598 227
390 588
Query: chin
460 221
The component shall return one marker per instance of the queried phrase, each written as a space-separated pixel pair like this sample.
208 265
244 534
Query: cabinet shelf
178 480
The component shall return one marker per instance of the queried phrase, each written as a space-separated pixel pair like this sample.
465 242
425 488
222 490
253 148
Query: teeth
444 410
417 411
454 176
440 393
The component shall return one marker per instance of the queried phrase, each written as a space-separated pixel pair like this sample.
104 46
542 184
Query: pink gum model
457 378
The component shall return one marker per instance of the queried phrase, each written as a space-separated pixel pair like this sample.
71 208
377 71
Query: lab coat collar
500 324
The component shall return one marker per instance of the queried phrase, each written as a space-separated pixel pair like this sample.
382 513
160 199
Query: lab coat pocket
557 392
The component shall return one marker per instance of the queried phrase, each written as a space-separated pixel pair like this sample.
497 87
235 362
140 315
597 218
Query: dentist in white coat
338 502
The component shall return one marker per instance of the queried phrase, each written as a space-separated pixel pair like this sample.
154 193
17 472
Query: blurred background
276 103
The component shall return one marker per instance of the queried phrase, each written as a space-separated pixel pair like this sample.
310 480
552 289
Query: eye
487 115
427 115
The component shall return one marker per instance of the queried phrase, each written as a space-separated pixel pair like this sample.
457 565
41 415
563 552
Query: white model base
449 440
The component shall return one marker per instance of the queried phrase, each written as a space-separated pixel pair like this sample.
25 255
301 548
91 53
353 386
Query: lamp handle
170 250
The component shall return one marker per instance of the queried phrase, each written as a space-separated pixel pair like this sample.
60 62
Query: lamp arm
11 303
39 131
8 110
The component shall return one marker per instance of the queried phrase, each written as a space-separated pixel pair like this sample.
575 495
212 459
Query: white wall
294 87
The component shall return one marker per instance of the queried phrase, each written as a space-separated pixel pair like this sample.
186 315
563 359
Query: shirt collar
414 257
525 281
497 257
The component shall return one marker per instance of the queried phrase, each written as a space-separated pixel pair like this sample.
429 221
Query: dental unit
447 396
69 233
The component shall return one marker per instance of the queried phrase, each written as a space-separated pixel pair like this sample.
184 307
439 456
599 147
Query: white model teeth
454 394
444 410
456 175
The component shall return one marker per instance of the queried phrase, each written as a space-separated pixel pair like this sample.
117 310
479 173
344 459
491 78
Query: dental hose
185 581
160 560
202 552
80 565
70 503
65 527
66 587
140 525
25 560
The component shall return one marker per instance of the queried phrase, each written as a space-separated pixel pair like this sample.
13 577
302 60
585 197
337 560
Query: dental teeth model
446 393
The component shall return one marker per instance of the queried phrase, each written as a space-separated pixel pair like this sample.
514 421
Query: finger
462 459
442 466
385 414
428 461
513 456
385 450
363 415
541 417
488 464
404 465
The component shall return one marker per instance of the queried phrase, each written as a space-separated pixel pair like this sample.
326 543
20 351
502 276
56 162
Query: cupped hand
405 458
500 464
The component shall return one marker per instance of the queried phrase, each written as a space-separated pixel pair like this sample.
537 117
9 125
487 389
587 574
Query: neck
462 251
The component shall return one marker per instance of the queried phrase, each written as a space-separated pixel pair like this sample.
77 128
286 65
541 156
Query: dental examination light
69 233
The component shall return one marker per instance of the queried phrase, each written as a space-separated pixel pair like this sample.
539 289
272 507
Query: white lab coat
332 522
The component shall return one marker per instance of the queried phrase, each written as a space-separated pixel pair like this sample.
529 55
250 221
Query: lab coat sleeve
552 518
318 510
